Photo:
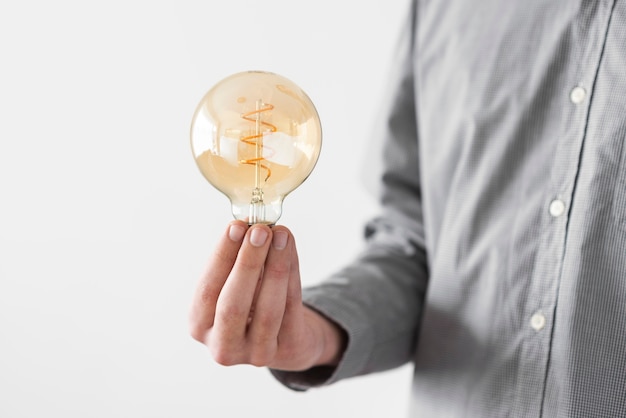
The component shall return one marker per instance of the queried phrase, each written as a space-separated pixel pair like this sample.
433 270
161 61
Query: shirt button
577 95
557 208
538 321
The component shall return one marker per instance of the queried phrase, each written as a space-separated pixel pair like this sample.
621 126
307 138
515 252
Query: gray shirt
498 264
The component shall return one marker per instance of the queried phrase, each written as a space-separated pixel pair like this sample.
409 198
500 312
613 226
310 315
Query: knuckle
277 269
197 333
249 264
223 353
257 362
264 347
264 327
260 357
199 325
224 358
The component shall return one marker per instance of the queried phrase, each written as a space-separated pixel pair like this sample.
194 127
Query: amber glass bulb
256 136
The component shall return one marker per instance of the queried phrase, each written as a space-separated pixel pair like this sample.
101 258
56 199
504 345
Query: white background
106 223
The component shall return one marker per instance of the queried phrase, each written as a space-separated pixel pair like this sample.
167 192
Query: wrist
332 337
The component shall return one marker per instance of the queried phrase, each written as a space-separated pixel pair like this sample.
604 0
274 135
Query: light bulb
256 136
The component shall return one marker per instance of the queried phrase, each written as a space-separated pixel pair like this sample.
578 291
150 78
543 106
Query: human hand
248 305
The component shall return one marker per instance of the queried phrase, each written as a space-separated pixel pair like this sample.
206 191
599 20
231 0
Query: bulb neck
258 211
257 207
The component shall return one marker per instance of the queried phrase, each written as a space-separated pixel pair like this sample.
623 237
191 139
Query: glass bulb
256 136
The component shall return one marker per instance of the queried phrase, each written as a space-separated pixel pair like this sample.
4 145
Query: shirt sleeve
377 299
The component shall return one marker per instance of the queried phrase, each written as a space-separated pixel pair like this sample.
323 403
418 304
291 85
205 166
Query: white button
557 208
577 95
538 321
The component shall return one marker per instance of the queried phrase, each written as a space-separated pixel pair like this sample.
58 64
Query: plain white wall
106 223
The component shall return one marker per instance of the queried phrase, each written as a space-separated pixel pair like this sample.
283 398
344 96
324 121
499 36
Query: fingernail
258 237
280 240
236 232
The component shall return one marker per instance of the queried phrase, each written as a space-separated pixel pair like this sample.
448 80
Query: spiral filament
255 140
257 206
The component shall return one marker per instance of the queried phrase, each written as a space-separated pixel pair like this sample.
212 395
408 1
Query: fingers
293 300
240 304
252 304
236 299
269 306
210 285
296 351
